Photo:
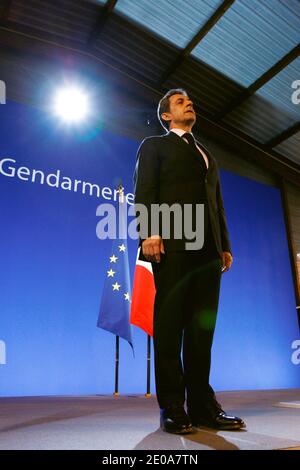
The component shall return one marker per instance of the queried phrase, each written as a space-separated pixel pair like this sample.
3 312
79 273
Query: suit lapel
209 157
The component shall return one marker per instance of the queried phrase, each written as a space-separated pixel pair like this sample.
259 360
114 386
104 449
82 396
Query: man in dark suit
174 169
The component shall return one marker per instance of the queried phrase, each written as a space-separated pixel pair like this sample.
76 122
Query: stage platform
132 422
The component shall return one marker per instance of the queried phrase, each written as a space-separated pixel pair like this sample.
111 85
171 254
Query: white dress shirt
180 133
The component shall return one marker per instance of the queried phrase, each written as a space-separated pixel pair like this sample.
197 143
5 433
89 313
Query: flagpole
148 394
116 392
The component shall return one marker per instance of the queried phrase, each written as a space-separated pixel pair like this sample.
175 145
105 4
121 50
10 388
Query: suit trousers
185 310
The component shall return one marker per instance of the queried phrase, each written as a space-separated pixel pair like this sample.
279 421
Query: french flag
142 298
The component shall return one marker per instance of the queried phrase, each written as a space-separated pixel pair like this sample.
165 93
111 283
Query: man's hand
152 247
227 261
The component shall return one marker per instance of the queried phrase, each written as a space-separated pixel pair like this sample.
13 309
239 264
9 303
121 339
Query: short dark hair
164 105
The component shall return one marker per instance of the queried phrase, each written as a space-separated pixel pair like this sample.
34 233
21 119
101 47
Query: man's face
181 112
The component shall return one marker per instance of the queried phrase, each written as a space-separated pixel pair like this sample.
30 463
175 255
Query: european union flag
115 303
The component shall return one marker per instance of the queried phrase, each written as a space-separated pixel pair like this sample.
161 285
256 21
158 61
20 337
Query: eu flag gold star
113 259
111 273
122 247
116 286
126 296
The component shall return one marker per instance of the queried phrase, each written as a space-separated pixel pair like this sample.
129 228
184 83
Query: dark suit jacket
168 170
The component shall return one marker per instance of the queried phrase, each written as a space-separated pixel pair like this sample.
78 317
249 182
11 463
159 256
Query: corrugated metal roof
260 118
208 88
251 37
278 90
271 110
244 43
66 19
291 148
133 50
177 21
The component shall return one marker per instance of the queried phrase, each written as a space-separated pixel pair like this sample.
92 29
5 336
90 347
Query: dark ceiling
238 60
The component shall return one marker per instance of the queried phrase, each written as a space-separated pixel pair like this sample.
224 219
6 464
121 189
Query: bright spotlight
71 104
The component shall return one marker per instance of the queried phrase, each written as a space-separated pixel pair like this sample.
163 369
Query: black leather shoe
220 420
211 415
175 420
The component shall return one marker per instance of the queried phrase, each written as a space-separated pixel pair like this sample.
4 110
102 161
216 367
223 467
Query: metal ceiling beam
260 82
284 135
196 39
105 12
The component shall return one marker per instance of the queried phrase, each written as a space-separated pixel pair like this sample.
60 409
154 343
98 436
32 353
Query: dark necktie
190 138
191 141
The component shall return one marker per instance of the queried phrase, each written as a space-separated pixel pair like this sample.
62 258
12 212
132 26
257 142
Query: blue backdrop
52 269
